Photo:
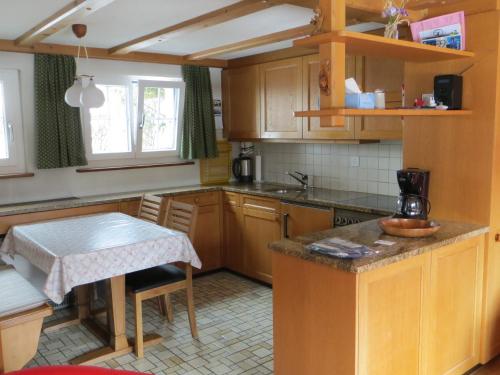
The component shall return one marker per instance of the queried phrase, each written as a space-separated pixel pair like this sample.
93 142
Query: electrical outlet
354 161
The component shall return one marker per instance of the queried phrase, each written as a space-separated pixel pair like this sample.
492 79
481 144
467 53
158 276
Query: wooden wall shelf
381 112
374 45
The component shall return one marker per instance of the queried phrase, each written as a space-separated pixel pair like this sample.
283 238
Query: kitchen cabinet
208 234
261 225
453 332
280 97
388 75
490 330
323 128
418 316
299 220
234 256
241 107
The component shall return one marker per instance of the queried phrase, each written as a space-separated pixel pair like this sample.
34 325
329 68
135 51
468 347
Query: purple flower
403 12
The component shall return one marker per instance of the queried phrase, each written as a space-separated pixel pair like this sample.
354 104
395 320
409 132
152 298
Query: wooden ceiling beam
74 12
280 36
103 53
215 17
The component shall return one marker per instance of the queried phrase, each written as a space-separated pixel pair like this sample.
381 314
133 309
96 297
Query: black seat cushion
155 277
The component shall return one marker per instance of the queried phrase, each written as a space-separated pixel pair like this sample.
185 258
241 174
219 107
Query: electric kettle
243 168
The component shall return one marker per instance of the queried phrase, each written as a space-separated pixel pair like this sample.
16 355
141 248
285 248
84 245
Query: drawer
201 199
231 199
260 203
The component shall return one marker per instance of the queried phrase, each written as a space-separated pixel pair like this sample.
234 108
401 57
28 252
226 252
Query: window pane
109 123
4 146
161 107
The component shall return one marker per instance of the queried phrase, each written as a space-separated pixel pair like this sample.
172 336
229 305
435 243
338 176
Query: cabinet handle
285 225
497 237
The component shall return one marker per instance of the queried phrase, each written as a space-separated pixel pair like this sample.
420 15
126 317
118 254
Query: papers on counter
339 248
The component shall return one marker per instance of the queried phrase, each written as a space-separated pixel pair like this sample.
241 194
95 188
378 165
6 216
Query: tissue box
361 101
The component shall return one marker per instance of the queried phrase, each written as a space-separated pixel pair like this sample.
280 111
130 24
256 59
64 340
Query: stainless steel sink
286 191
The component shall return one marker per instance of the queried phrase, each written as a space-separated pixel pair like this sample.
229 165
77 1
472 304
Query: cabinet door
323 128
490 336
281 95
392 308
261 225
388 75
234 256
208 234
455 308
300 220
241 103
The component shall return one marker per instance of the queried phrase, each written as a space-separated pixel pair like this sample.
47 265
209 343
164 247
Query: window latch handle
143 118
10 128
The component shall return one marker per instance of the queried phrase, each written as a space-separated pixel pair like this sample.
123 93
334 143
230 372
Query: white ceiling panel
124 20
261 23
257 50
18 16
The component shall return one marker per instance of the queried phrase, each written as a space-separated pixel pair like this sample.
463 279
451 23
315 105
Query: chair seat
152 278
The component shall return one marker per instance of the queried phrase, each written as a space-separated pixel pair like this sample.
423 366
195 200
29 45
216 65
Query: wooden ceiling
132 50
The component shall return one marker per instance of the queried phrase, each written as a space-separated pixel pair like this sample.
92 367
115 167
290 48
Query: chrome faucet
300 177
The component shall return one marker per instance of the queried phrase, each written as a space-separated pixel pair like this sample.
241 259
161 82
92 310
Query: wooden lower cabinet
391 307
234 256
452 344
490 330
299 220
208 235
419 316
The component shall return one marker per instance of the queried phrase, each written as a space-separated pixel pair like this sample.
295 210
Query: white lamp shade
72 96
91 96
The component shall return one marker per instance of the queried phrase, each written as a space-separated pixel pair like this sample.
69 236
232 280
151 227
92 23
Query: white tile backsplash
329 165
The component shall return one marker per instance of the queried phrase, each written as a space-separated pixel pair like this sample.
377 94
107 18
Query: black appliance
448 90
413 200
243 168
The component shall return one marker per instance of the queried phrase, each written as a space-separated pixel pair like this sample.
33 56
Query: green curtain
58 126
198 139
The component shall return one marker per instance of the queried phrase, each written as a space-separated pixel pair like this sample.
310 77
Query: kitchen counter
366 234
363 202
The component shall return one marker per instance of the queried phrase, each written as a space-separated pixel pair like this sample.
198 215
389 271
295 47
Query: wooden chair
162 280
150 208
22 310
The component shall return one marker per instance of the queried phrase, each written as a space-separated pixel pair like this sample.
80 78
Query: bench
22 310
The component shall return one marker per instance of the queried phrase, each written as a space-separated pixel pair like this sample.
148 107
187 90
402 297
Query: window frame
16 163
134 116
141 84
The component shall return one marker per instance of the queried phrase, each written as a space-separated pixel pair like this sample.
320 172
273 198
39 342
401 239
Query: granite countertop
367 233
363 202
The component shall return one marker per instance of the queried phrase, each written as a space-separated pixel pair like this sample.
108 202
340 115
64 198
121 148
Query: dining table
76 252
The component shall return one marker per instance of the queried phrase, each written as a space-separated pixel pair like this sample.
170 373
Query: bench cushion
17 294
152 278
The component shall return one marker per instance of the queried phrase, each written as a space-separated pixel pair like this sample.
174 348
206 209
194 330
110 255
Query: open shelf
382 112
374 45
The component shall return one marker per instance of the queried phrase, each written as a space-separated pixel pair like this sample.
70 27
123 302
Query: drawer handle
497 237
255 206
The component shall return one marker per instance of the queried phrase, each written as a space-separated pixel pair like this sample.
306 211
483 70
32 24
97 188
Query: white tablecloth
80 250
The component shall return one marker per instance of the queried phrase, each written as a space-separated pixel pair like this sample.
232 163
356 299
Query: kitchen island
413 308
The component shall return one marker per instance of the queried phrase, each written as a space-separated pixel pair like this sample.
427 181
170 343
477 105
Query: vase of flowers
396 15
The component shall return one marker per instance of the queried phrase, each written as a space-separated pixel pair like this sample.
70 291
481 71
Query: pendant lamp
77 95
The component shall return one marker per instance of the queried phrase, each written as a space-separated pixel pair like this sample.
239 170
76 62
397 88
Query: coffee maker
413 202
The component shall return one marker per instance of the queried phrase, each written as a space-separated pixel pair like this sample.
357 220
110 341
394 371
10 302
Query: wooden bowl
410 228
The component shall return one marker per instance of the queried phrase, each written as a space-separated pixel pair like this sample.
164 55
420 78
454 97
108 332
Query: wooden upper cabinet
241 102
313 128
281 95
387 75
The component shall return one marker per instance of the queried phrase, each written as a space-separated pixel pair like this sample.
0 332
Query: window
11 129
139 119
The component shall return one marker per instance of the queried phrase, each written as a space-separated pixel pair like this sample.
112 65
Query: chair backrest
182 217
150 208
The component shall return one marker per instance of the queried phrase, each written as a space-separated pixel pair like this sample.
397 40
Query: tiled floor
234 318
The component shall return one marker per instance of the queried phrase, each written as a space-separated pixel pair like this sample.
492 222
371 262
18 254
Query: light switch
354 161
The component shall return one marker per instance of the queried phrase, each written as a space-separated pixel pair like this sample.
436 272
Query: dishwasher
348 217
